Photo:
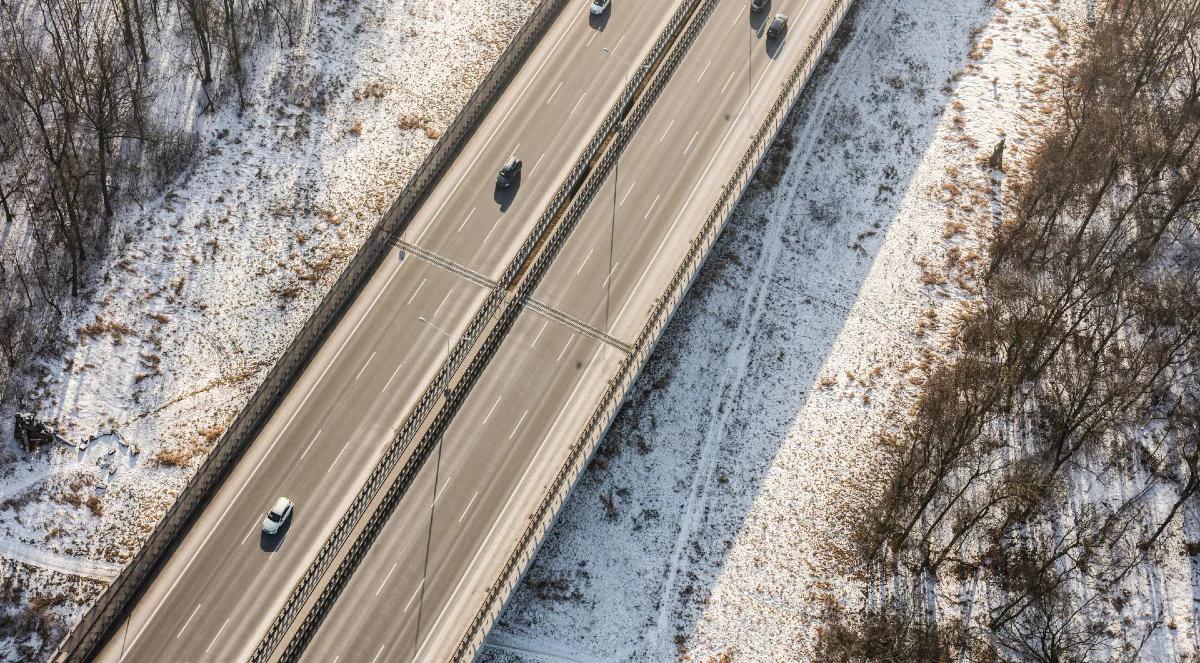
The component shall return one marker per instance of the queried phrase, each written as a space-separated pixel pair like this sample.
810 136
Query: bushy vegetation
78 135
1077 361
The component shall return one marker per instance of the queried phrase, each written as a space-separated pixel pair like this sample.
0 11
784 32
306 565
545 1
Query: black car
778 27
510 172
758 5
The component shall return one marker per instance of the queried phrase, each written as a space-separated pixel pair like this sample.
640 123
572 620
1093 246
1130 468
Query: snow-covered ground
755 437
207 282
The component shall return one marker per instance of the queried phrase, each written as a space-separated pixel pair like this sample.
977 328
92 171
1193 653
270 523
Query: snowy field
754 438
206 284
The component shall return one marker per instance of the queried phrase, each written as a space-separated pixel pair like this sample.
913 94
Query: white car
278 515
598 6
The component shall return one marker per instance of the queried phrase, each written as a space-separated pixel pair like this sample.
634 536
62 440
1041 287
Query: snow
207 280
756 436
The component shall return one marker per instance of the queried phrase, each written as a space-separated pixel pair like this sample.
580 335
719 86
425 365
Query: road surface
214 597
426 575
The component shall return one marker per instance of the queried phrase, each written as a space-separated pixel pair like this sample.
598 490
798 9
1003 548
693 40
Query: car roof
281 504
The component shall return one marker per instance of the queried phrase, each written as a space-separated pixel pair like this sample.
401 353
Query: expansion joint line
578 325
445 263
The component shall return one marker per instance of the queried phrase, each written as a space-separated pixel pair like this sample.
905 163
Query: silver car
598 6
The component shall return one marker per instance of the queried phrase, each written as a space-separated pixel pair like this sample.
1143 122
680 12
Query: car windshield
274 517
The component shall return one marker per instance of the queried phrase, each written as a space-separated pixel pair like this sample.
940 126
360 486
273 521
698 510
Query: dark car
758 5
778 27
510 172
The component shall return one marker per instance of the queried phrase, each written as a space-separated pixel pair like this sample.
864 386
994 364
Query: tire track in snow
733 373
65 564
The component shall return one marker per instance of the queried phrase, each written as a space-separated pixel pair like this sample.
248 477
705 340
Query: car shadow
270 543
505 197
599 22
758 19
774 45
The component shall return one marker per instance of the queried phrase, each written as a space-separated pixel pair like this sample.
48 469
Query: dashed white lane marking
253 528
189 621
577 104
610 273
705 71
535 163
495 523
464 513
626 196
613 50
438 496
521 421
651 208
499 125
539 334
414 295
378 653
551 97
585 259
394 373
335 460
489 414
414 595
215 637
311 442
492 230
668 130
439 306
689 145
727 81
237 496
385 578
364 367
595 33
465 219
564 350
692 194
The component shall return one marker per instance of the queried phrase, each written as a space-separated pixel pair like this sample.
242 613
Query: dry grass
101 326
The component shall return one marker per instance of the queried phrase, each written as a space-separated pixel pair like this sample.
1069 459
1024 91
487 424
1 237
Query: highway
223 583
426 575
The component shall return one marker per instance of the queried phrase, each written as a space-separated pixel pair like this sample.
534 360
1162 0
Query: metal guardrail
514 305
665 306
105 610
439 386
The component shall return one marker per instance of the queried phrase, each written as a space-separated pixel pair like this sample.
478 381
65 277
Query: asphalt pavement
426 575
214 597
